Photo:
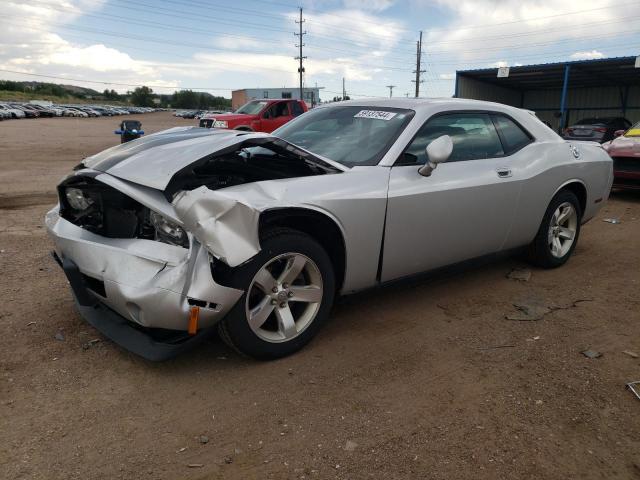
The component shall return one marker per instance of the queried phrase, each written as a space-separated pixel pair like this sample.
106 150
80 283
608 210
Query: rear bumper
626 180
147 284
626 171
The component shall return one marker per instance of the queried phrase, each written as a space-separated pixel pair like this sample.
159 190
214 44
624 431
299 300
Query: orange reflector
194 314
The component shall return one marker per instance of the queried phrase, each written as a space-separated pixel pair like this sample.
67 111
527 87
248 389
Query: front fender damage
225 226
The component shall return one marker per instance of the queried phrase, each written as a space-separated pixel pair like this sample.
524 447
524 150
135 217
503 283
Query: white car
74 112
13 112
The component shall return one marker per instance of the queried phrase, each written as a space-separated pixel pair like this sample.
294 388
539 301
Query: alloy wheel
284 297
562 229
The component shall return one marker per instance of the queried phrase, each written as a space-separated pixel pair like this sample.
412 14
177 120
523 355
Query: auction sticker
375 114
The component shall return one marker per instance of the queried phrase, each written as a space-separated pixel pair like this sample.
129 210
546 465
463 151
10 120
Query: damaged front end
140 258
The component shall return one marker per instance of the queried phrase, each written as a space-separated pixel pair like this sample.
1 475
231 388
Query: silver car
178 234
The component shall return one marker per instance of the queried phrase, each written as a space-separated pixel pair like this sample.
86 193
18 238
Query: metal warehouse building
561 93
240 97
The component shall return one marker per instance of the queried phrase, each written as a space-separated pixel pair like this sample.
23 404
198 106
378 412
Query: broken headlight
167 231
77 199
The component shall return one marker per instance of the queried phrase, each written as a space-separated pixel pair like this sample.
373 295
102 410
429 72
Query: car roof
273 100
419 104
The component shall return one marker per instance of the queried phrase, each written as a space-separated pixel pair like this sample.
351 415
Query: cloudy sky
220 45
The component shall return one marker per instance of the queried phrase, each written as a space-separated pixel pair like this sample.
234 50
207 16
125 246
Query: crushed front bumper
130 289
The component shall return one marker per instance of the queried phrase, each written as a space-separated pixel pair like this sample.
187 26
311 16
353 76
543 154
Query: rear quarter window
513 136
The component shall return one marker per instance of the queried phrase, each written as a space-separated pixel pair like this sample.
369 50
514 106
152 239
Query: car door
462 211
275 116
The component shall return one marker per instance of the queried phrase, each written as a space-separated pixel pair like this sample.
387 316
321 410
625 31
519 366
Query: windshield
251 108
350 135
633 131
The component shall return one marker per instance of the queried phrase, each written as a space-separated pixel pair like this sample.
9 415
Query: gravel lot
420 380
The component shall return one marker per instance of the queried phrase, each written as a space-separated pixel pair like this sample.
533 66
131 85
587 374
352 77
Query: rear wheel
558 233
289 289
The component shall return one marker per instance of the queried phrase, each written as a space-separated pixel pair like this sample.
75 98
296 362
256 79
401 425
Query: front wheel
558 233
289 290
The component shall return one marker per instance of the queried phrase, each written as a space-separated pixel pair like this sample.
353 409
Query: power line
164 26
546 55
537 32
253 26
69 79
188 44
392 60
278 17
488 25
619 33
464 27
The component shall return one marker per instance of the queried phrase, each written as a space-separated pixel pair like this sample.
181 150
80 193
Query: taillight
569 131
600 129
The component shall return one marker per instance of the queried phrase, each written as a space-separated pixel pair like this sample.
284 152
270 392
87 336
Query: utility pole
344 90
300 57
417 71
390 87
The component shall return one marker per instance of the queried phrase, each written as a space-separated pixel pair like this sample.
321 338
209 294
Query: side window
286 94
513 137
473 134
279 109
296 109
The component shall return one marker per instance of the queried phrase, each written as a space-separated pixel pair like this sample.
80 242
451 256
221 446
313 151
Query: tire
282 250
550 247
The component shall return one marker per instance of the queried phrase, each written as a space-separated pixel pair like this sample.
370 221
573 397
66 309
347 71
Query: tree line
188 99
43 88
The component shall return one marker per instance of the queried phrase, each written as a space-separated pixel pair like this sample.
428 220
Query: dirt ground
425 380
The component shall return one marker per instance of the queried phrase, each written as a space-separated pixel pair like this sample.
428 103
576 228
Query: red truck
257 116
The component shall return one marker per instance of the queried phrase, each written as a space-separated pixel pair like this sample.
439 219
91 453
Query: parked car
12 111
28 112
255 234
625 152
44 111
257 116
75 112
90 111
596 129
105 112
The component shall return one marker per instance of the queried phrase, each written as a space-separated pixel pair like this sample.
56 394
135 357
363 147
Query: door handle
503 172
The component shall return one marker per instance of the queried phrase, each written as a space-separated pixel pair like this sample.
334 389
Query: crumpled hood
153 160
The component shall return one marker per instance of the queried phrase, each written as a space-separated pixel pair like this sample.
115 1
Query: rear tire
289 290
558 234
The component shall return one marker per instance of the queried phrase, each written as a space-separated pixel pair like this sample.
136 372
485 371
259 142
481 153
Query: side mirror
438 151
618 133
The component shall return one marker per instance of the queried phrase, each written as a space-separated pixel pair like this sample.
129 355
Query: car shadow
349 311
626 195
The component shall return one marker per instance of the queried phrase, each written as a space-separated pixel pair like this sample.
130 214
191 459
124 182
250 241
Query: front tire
558 234
289 290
